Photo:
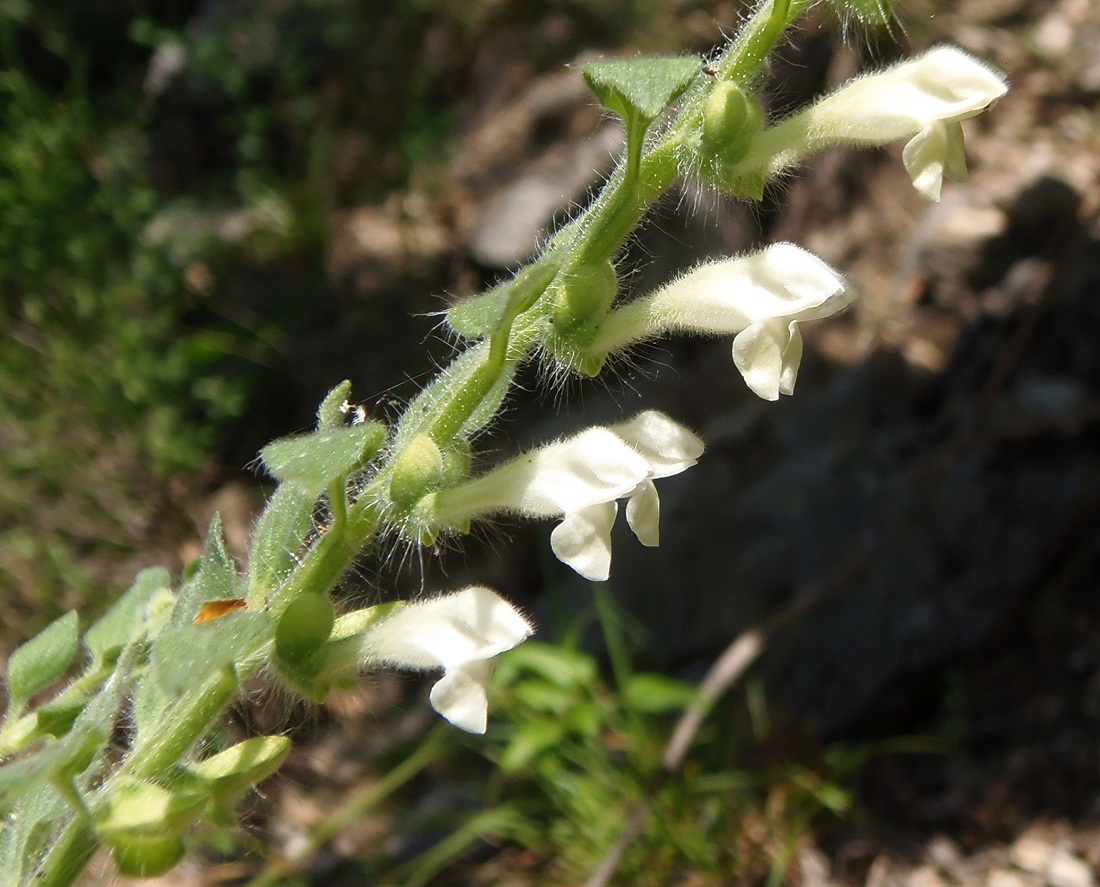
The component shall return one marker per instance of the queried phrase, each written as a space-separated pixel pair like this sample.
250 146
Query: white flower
581 478
461 633
759 298
923 99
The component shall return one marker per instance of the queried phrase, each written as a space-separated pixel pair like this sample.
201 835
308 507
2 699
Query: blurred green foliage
99 390
577 755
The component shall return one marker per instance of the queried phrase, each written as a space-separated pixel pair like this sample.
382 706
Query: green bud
146 856
304 627
417 470
233 771
457 462
731 120
142 824
583 295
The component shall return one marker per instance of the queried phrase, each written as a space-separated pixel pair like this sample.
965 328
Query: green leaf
868 12
125 621
566 668
529 741
487 313
57 718
330 414
642 87
42 660
283 527
28 831
650 693
543 697
150 703
215 579
186 655
63 758
477 317
313 461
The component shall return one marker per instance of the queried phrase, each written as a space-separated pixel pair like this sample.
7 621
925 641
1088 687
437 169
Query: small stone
924 876
1032 854
1067 870
1006 878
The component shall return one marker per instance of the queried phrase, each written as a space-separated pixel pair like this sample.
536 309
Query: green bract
41 660
641 88
313 461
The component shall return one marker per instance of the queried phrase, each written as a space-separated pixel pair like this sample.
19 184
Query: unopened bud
304 627
731 120
457 461
584 295
417 471
146 856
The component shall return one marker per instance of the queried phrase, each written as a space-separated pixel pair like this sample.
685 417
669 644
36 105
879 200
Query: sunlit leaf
42 660
284 525
313 461
641 87
125 621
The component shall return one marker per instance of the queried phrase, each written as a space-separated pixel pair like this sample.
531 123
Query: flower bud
304 627
142 823
457 461
418 469
234 770
583 295
730 121
146 856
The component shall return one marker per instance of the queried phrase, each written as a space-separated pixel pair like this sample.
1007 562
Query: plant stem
70 855
187 723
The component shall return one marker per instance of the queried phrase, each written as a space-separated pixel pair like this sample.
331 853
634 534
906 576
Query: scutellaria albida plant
163 664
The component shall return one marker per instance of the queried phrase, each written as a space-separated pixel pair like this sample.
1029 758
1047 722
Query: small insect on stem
356 413
710 70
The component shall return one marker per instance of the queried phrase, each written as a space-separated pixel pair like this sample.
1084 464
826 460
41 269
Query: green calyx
582 296
731 120
417 471
303 628
143 823
146 856
233 771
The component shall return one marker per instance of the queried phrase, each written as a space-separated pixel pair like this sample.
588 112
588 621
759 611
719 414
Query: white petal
643 514
728 296
792 357
583 540
461 696
758 353
592 467
943 84
924 157
954 167
448 631
667 446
